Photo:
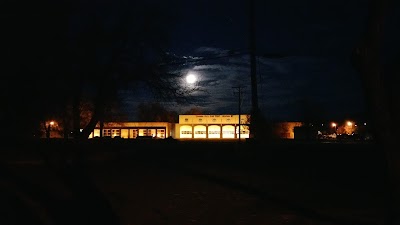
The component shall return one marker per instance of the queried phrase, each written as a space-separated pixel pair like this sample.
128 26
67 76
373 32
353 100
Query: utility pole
253 70
238 90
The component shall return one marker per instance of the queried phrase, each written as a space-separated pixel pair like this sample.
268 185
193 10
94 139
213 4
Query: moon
191 78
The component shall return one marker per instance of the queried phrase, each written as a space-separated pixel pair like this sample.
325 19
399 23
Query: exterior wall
131 130
285 130
214 119
212 127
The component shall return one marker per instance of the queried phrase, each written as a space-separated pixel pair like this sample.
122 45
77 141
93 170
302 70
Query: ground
194 183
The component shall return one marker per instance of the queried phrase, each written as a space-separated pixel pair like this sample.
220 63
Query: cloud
211 51
282 84
211 67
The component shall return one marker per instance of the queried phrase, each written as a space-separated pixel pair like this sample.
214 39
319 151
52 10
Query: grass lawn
197 182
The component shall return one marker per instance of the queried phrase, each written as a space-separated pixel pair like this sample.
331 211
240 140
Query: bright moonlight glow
191 78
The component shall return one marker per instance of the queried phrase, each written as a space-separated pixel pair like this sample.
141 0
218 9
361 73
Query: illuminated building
212 126
189 127
134 129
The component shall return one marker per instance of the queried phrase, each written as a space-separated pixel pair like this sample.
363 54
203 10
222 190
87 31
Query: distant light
333 124
191 78
349 123
51 123
365 124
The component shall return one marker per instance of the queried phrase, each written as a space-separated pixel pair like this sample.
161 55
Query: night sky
313 39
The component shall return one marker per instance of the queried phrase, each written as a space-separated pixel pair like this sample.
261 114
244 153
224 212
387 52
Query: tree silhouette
68 50
156 112
194 111
379 84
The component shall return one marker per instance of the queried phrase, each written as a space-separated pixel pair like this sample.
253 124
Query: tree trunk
98 115
367 59
76 112
48 131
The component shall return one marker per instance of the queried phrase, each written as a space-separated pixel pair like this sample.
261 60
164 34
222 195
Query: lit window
106 132
116 132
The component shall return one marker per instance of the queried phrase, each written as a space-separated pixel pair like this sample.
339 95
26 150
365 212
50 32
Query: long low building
133 130
189 127
192 127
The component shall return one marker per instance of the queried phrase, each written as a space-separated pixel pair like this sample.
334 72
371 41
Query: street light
48 129
334 125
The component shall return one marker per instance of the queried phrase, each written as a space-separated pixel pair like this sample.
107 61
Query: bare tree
194 111
156 112
112 57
